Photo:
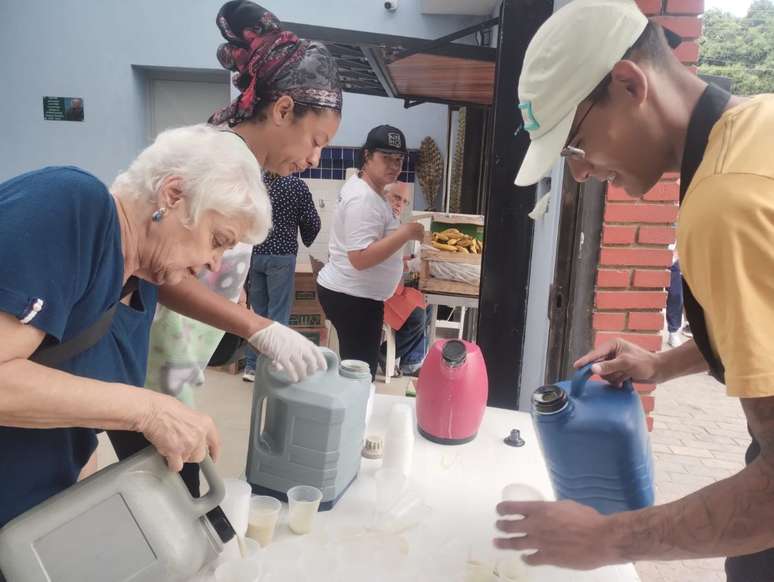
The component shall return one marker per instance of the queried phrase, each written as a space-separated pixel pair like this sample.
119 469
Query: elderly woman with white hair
79 270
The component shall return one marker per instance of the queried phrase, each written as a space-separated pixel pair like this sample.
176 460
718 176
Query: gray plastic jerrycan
310 432
132 521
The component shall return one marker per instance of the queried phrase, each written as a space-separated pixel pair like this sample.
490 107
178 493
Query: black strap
708 111
50 353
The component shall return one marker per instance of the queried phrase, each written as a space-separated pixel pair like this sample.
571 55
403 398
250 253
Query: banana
453 241
440 237
463 250
443 247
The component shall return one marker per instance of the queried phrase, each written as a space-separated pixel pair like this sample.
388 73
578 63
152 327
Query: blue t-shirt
61 268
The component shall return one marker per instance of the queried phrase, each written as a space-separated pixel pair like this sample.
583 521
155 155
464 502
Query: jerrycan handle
582 376
332 360
217 491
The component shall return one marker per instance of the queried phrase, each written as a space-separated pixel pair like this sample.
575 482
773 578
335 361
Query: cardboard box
307 314
305 288
317 335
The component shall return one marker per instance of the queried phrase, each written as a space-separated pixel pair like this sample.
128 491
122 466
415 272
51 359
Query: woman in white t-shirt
365 263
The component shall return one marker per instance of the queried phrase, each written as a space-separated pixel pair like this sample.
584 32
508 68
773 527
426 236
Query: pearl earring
159 214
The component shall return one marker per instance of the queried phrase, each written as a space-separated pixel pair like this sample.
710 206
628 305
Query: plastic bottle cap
454 353
549 399
373 447
514 439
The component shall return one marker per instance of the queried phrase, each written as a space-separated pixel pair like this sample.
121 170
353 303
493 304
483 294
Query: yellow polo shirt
725 237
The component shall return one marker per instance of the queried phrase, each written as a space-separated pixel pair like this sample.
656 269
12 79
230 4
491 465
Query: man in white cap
601 88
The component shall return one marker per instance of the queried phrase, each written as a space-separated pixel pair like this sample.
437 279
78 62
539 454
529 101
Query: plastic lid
549 399
454 352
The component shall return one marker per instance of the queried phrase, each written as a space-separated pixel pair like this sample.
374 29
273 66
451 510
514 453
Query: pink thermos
451 392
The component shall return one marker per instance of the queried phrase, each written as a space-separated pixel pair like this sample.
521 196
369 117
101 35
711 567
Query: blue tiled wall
334 162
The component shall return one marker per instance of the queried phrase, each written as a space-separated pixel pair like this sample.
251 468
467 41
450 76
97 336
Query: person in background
272 273
410 331
365 250
601 87
288 109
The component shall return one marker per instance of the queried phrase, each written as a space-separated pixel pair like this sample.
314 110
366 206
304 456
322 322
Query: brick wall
634 259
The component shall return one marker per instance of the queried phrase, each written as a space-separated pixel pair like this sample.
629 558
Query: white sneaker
674 339
248 376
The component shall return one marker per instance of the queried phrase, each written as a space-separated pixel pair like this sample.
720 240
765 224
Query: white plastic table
458 487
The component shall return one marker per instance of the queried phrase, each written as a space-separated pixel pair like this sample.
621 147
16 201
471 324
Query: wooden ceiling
443 77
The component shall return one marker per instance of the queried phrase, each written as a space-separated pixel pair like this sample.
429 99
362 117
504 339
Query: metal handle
582 376
217 490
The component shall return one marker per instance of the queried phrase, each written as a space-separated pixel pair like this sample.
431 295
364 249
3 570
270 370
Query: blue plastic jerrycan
595 443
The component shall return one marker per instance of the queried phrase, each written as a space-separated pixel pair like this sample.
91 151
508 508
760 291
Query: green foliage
740 48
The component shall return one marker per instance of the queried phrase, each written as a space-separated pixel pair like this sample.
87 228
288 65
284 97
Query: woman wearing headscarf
288 109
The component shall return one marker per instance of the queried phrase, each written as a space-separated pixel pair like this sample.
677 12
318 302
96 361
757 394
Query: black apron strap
50 353
708 111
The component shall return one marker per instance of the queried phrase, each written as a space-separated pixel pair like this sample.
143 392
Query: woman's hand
412 231
289 350
179 433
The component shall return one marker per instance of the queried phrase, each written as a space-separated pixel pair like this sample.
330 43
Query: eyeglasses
573 152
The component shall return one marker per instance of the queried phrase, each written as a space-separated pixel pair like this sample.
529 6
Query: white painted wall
89 48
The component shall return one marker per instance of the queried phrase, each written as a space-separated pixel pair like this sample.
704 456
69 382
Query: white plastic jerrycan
134 520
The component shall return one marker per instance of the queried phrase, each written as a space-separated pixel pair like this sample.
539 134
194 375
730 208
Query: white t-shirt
362 218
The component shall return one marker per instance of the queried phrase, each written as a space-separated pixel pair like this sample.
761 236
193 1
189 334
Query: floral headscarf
270 62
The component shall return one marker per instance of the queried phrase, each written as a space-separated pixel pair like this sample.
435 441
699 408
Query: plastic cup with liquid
264 513
244 569
303 503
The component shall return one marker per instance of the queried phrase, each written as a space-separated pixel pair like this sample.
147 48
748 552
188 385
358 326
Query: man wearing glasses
601 87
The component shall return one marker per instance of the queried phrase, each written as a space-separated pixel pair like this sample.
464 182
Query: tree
741 49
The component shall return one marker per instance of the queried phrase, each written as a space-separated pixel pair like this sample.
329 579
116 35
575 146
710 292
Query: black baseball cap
387 139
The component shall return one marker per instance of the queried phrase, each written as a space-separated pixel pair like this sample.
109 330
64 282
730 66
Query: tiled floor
699 437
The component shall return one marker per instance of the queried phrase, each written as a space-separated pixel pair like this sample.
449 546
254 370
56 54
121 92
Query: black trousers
752 567
358 324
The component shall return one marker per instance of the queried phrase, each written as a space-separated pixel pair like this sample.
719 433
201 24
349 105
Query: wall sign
63 108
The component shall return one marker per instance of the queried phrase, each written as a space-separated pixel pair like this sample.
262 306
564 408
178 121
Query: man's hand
619 360
564 533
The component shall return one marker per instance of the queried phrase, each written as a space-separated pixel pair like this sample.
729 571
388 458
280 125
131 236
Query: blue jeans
271 291
411 340
674 308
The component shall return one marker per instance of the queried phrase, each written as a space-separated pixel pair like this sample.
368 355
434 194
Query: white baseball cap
568 57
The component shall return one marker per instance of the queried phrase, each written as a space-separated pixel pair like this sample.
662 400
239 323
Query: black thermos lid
454 353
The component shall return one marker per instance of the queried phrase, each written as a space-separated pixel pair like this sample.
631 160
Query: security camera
391 5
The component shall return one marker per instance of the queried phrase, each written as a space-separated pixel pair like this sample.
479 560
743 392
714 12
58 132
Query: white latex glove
289 350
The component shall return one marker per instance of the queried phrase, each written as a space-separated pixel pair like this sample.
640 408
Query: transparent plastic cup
262 521
238 571
303 503
245 569
390 486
